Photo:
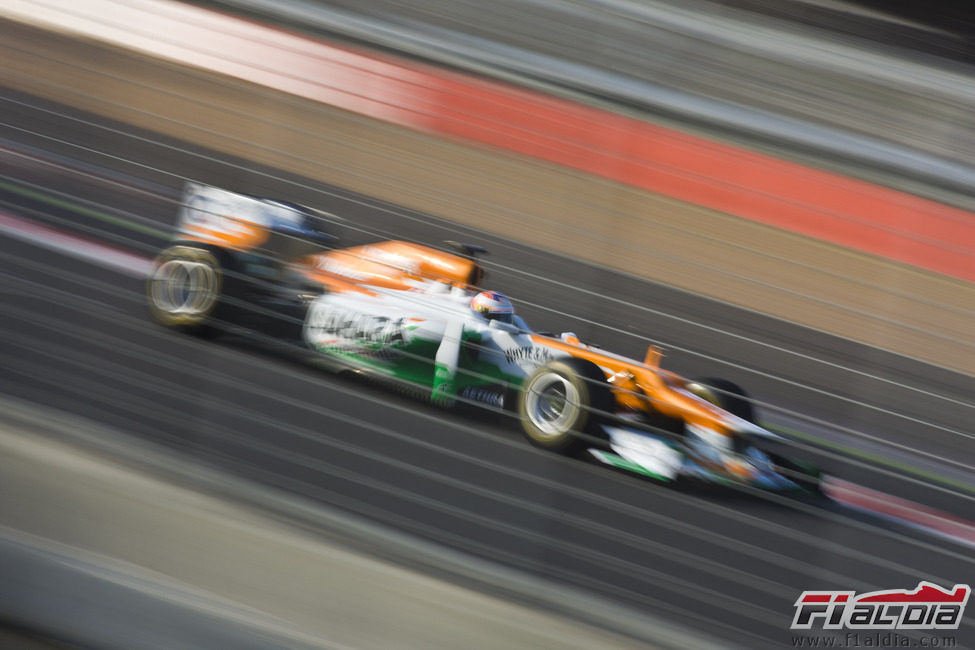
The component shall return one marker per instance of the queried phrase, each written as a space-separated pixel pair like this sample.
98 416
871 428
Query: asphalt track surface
77 338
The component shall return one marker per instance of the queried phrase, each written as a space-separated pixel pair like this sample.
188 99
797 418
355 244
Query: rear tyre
562 404
726 394
185 289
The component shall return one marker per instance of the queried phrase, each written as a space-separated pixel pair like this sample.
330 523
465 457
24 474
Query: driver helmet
493 305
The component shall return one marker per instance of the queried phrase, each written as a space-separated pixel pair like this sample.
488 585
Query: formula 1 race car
413 315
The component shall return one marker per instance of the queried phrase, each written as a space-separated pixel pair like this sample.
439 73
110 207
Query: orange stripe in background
826 206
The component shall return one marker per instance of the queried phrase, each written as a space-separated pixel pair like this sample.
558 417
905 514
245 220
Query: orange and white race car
414 315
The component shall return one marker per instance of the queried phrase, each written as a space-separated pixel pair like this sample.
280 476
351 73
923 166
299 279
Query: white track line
83 249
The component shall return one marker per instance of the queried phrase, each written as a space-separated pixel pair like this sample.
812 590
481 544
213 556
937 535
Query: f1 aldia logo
929 607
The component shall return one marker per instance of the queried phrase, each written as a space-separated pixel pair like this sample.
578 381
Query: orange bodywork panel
231 233
641 387
391 265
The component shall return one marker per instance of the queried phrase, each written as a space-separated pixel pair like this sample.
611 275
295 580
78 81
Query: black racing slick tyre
726 394
562 404
185 289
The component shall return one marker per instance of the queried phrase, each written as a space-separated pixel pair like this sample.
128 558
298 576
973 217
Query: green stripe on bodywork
443 385
417 365
622 463
83 210
872 458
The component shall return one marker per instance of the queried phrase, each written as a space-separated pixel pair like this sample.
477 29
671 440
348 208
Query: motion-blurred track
77 338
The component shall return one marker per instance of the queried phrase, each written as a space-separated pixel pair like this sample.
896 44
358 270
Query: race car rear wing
268 227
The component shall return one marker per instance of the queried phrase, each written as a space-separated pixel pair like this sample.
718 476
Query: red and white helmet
493 305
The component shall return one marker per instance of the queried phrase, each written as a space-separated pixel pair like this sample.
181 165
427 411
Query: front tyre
184 288
725 394
562 404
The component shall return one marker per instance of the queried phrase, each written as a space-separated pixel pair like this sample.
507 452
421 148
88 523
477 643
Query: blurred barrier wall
865 108
742 183
702 249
